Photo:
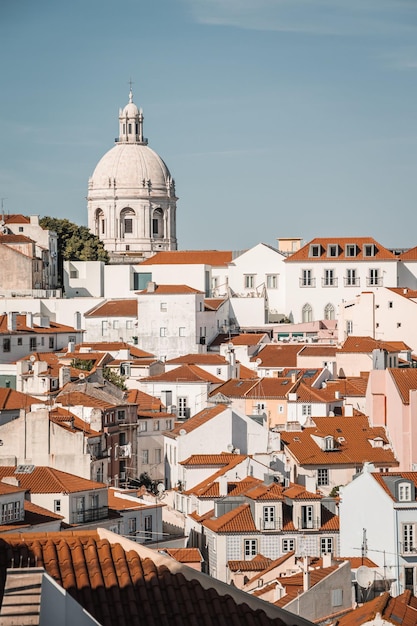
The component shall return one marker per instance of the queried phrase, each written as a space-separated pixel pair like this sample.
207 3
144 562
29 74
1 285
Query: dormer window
315 250
332 250
404 492
329 443
351 249
369 249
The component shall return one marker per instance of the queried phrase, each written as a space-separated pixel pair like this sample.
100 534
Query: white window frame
272 281
288 544
249 281
322 476
250 548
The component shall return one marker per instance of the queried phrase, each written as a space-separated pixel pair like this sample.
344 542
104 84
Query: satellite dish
183 431
32 358
81 376
230 447
258 361
160 487
364 576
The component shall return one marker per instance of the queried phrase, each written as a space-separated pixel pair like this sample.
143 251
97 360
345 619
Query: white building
131 194
325 272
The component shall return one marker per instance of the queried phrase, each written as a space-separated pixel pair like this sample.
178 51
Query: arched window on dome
307 313
99 223
158 224
127 216
329 311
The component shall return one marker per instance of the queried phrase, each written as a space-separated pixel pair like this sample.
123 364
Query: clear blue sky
277 118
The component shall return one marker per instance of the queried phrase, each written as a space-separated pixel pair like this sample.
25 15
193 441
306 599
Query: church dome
131 165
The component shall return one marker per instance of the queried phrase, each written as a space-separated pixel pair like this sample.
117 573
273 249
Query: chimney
293 377
12 321
306 575
71 346
64 376
327 559
29 320
151 287
337 395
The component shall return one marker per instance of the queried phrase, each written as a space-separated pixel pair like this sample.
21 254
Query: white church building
131 195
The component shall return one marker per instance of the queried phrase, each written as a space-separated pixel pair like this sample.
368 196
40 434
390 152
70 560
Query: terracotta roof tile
214 304
318 351
200 418
6 239
409 255
258 564
405 380
277 355
245 373
49 480
120 586
366 344
215 258
239 520
184 373
294 584
352 437
168 290
115 308
185 555
383 478
381 253
144 401
205 358
210 460
16 218
399 610
249 339
21 326
10 400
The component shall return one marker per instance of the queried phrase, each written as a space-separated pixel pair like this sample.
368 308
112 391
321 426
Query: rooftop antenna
2 208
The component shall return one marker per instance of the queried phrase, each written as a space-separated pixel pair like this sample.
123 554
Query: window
163 331
163 306
115 324
94 502
182 406
10 511
51 342
351 279
329 279
404 492
32 343
103 327
218 371
369 249
250 548
57 506
269 517
168 424
148 524
143 426
332 250
6 344
329 313
128 225
408 538
20 341
322 477
307 516
349 327
307 313
288 545
272 281
350 249
306 278
158 456
132 526
156 425
182 331
145 457
306 410
154 226
326 545
373 278
329 443
315 250
280 408
121 415
80 508
129 324
249 281
390 304
337 597
20 229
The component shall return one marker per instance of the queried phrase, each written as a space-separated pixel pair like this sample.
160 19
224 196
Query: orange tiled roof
69 421
115 308
78 398
210 486
255 388
381 479
409 255
245 373
21 326
213 304
112 346
381 253
33 516
205 358
10 400
16 218
399 610
405 380
318 351
15 239
212 460
120 586
405 292
169 290
272 565
352 436
49 480
248 339
276 355
257 564
216 258
184 374
239 520
144 401
366 344
197 420
123 504
185 555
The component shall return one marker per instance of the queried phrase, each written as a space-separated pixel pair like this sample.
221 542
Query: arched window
158 224
329 312
127 216
307 314
99 223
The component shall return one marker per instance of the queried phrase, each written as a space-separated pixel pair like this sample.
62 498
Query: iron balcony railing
89 515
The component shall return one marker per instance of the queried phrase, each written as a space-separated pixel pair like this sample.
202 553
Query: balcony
374 281
89 515
352 281
308 524
275 524
329 282
307 282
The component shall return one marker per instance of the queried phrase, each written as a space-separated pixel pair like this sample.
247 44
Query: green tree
75 243
115 378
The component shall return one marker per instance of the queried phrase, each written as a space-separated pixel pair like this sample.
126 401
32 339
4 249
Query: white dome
131 110
131 165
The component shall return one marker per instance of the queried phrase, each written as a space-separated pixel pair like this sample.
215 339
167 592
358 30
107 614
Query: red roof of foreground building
322 248
115 308
11 400
216 258
399 610
132 584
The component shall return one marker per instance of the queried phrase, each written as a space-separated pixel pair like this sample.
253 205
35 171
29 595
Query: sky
276 118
